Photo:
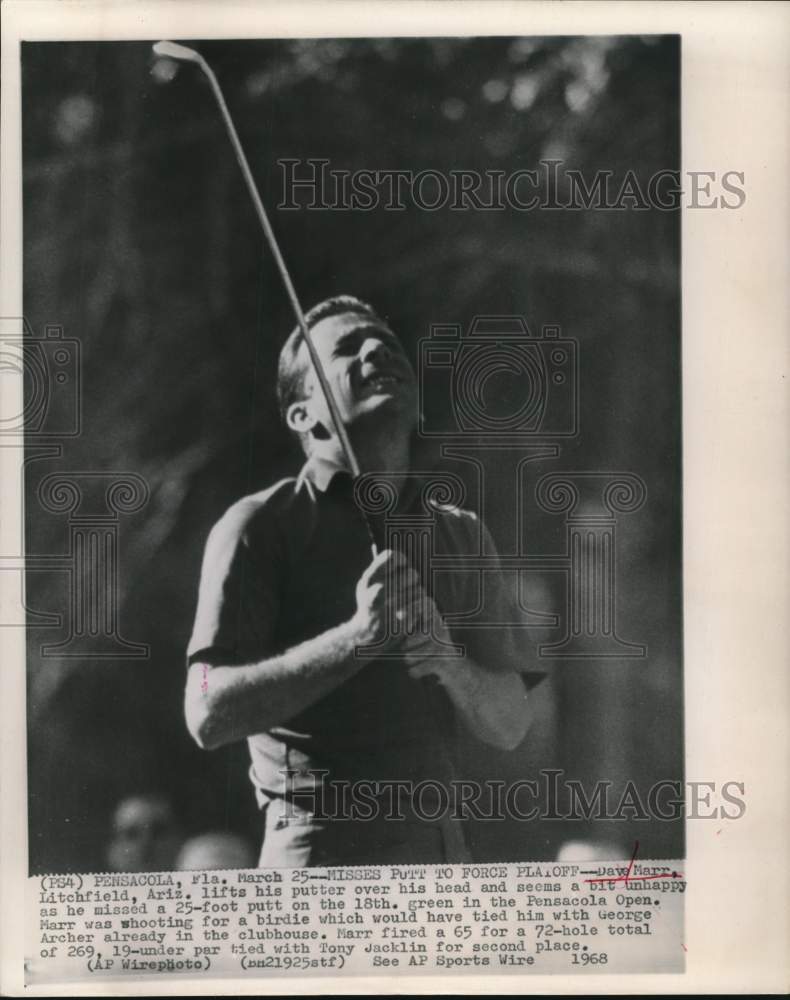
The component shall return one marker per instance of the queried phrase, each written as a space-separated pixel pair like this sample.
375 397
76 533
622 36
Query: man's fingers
385 556
398 582
387 563
415 602
415 614
397 601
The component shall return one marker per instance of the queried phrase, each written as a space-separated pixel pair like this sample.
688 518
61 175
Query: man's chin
388 406
394 400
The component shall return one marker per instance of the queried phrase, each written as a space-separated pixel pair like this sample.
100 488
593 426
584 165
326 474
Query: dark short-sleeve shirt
281 567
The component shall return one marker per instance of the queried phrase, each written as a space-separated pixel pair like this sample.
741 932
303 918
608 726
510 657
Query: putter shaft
172 50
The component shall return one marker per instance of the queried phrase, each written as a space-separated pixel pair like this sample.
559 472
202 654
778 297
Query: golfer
350 750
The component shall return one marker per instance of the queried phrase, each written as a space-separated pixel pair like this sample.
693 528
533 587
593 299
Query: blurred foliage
140 241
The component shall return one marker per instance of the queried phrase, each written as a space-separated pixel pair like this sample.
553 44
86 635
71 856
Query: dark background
140 240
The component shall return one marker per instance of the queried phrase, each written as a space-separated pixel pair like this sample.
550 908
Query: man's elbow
511 735
513 725
203 719
200 727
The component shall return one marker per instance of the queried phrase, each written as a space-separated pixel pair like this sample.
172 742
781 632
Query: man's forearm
493 705
224 704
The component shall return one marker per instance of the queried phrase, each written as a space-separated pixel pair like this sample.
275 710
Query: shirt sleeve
238 596
499 642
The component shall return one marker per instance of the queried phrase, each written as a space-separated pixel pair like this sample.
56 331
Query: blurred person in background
145 835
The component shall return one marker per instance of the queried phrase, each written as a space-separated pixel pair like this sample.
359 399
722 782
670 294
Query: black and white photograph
366 544
353 458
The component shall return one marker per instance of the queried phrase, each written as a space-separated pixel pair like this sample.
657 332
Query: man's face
144 837
367 369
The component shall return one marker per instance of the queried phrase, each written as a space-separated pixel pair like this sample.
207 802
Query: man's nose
372 348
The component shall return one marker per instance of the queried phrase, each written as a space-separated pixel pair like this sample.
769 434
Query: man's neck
388 454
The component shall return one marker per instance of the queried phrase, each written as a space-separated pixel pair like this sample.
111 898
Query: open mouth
381 381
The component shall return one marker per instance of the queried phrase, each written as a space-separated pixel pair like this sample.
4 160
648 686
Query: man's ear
299 417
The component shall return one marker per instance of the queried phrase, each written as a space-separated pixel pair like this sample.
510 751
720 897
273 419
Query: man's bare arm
224 703
493 705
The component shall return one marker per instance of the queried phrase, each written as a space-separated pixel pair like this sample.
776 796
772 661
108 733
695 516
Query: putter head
172 50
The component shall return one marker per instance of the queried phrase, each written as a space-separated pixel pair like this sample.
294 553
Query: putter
171 50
